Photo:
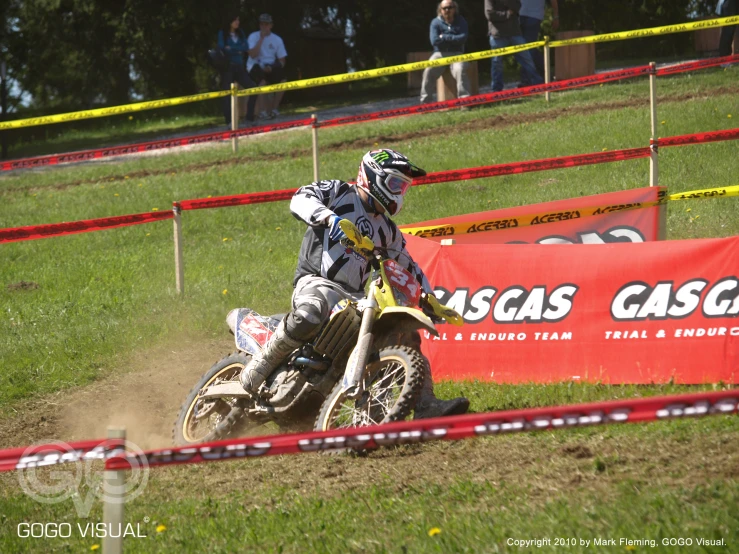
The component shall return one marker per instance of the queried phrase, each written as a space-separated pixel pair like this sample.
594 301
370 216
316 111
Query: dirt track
144 397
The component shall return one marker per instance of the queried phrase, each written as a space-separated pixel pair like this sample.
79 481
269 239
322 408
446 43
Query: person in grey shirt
448 35
505 30
530 18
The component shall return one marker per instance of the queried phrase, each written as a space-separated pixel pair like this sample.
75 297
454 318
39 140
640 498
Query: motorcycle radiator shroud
252 331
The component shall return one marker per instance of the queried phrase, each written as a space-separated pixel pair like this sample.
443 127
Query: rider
328 272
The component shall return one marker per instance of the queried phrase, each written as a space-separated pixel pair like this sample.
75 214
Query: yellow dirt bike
364 367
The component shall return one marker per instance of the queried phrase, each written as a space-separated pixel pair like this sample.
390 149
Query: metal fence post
547 68
653 164
314 130
114 496
179 265
234 117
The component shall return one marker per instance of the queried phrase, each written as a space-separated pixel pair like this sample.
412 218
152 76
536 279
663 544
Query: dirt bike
364 367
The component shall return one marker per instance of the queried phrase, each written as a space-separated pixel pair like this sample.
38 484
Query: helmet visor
397 185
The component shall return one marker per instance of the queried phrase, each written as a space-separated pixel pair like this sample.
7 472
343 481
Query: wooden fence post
547 66
314 130
234 117
654 150
114 496
653 164
179 265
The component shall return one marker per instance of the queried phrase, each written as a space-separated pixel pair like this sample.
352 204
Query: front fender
406 319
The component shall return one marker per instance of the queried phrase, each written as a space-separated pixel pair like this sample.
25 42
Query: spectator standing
530 17
448 34
266 63
505 30
726 8
232 41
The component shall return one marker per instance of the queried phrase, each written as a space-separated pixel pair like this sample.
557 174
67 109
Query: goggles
398 185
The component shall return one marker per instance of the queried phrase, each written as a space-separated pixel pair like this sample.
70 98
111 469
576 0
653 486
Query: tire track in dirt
143 394
492 122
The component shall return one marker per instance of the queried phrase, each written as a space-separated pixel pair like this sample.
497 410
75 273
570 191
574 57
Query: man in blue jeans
530 17
726 8
504 30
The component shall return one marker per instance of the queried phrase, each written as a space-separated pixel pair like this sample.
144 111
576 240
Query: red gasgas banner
613 313
597 219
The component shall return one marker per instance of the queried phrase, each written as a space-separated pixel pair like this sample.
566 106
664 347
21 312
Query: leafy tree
72 54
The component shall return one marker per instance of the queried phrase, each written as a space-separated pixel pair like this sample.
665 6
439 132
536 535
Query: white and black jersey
321 256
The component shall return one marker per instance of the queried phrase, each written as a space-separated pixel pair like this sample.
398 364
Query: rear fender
404 319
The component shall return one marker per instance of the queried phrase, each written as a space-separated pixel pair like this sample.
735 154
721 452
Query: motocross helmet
386 175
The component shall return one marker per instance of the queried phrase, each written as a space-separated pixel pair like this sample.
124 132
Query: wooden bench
446 86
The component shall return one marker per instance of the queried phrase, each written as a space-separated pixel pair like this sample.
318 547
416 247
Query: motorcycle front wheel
392 385
210 420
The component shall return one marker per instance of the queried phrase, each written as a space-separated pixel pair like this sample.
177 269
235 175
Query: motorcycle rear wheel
393 383
210 420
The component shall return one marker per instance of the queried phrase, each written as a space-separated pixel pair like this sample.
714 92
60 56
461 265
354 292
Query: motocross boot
277 349
429 406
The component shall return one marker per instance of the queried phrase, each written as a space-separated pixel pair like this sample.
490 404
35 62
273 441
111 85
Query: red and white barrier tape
492 96
699 138
33 232
700 64
589 80
59 453
57 229
437 177
236 199
97 153
404 432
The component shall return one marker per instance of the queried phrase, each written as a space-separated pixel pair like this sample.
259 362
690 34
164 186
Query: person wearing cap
266 63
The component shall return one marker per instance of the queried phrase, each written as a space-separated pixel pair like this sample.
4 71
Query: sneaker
275 113
263 115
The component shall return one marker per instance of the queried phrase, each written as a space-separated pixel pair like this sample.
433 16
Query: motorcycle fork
357 364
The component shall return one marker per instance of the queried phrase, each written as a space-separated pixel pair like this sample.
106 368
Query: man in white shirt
266 64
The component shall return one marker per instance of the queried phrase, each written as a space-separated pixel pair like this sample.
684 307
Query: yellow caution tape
706 193
367 74
563 215
392 70
653 32
113 110
292 85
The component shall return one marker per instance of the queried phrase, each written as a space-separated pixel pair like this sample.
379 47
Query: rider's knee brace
304 322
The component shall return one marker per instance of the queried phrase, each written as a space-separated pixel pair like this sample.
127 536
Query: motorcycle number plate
401 280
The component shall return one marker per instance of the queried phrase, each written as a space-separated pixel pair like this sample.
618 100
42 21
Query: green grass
635 481
102 296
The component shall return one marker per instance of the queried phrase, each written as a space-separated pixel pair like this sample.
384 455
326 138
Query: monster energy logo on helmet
381 156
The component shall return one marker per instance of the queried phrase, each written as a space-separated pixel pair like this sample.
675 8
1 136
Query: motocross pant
312 301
